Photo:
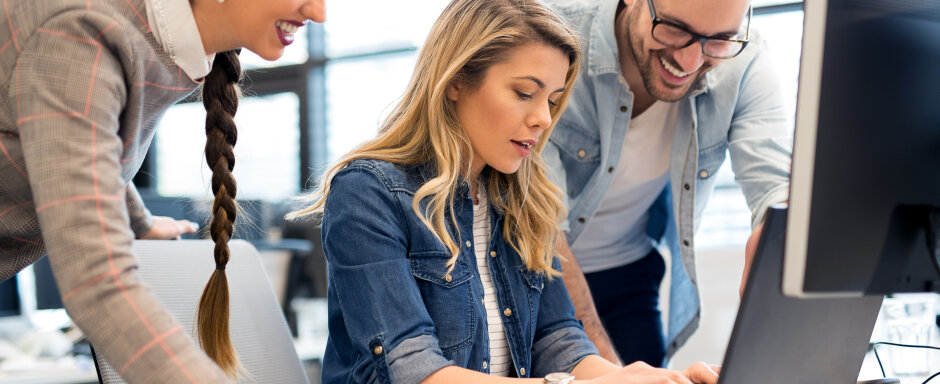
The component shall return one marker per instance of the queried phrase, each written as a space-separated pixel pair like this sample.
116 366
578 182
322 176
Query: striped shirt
500 360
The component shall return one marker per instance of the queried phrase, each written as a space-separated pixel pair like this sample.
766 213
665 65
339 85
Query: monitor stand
933 236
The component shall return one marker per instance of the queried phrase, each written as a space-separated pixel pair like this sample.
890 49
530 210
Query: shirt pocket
710 160
447 297
580 153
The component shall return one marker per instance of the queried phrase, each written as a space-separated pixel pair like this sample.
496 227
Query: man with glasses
666 89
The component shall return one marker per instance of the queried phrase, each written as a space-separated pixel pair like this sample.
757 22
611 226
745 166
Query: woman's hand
169 228
642 373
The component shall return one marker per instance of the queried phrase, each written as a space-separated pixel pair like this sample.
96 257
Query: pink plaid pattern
89 82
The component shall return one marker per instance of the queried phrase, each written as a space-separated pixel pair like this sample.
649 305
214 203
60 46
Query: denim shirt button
703 173
377 350
521 371
468 243
581 220
687 186
492 253
582 153
623 108
507 312
685 243
484 365
610 170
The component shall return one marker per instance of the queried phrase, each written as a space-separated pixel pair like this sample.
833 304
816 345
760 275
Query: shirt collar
174 27
603 53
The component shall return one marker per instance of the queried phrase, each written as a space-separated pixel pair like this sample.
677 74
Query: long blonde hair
467 39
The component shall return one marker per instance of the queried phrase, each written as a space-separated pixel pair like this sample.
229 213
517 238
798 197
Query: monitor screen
9 298
47 291
866 157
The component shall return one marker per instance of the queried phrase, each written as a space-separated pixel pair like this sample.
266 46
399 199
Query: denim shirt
397 316
735 108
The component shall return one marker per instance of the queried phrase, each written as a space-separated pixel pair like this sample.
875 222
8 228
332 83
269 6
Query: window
360 94
266 153
339 80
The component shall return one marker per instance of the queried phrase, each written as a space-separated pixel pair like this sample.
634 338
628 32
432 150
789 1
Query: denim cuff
560 351
414 359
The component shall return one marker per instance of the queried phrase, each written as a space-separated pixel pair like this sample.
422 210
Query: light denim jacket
736 108
395 316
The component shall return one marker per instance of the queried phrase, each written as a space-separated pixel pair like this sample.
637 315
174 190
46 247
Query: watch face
559 378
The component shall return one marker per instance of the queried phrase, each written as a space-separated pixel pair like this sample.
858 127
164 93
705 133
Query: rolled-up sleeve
365 242
560 342
760 138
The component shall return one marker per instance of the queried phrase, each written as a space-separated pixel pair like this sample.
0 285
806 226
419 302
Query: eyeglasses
674 36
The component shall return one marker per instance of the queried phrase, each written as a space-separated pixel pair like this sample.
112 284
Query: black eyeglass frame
699 37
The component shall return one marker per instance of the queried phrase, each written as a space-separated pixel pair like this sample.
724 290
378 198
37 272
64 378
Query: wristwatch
559 378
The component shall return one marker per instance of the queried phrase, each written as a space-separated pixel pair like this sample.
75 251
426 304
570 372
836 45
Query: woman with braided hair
86 84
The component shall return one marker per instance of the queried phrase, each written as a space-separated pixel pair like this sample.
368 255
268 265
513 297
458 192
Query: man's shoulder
753 61
579 14
573 7
756 48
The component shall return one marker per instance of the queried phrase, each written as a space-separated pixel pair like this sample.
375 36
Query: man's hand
169 228
749 249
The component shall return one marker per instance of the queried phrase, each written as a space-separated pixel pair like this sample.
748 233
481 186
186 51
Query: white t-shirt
500 361
616 235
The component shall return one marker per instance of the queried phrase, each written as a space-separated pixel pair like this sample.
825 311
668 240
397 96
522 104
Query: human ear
453 91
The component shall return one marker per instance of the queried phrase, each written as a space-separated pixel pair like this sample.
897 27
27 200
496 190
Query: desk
67 370
871 371
63 377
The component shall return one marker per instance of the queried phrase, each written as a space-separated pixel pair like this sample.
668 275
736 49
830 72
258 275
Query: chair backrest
177 271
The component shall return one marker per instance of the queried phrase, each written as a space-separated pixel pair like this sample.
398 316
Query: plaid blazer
85 85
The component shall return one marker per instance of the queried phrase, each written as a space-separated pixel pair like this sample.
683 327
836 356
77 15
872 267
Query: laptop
779 339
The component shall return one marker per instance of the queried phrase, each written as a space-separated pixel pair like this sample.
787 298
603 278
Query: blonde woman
439 233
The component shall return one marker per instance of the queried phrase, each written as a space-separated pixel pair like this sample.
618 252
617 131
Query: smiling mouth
286 30
522 144
673 69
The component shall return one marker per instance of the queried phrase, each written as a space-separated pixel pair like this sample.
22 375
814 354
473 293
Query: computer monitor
9 298
39 297
865 183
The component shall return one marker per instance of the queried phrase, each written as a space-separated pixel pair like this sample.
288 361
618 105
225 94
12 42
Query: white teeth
673 70
287 28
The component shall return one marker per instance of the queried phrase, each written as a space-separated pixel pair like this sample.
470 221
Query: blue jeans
627 300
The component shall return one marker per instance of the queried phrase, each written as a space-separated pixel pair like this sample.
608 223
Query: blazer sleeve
70 91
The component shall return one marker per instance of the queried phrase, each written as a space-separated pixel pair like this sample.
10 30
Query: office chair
177 271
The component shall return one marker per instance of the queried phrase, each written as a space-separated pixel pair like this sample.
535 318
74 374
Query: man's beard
650 66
